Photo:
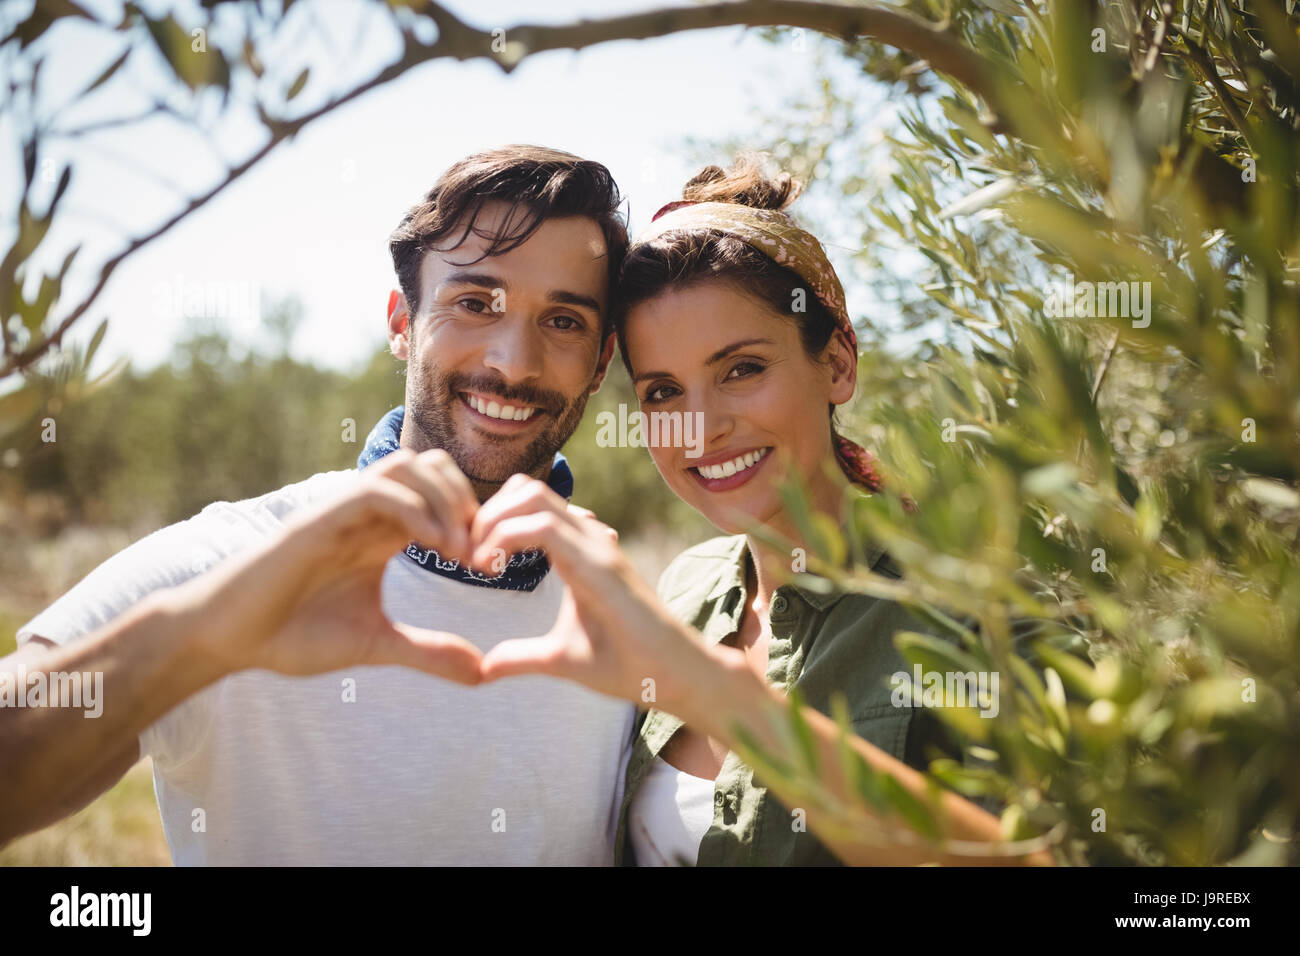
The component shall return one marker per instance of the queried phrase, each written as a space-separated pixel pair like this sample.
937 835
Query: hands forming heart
310 601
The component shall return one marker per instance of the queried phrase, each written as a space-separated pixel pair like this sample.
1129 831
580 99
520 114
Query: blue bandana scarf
523 572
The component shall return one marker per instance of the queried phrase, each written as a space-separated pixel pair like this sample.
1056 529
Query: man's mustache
548 401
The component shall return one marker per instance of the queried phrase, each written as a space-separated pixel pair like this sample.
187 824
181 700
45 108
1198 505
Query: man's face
504 352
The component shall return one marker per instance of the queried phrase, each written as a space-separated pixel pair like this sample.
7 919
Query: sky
311 221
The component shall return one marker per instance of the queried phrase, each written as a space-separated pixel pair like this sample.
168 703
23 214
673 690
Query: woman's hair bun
745 183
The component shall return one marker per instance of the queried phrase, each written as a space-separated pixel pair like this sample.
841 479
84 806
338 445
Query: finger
523 655
518 496
586 515
462 492
404 507
435 652
453 508
389 462
561 541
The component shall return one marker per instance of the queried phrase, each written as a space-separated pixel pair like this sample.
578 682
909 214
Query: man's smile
498 413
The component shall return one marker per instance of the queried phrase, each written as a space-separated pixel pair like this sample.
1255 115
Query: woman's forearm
727 696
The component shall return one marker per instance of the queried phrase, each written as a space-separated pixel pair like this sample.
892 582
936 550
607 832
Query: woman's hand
309 601
613 634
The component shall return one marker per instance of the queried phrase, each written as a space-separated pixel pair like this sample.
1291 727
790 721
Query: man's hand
309 601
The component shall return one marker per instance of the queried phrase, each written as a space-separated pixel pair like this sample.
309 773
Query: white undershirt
669 816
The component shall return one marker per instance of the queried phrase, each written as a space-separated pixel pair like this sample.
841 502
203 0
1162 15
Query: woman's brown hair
677 260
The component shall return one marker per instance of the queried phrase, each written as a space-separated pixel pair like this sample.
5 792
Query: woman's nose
716 421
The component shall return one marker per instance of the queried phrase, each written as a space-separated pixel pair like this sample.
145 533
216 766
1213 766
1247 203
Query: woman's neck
769 565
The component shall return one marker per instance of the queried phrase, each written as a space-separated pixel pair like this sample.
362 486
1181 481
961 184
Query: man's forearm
143 663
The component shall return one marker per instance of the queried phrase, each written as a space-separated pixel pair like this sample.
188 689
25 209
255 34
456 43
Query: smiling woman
731 314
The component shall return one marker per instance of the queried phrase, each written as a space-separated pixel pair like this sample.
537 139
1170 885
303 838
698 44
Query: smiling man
276 754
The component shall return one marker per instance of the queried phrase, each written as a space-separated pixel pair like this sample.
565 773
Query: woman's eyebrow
713 359
726 350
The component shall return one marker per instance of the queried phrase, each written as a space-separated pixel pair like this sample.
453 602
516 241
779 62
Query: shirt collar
732 577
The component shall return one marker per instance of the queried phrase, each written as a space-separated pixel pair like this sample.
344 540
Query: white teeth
496 410
730 468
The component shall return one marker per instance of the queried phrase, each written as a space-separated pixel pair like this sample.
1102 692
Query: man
302 750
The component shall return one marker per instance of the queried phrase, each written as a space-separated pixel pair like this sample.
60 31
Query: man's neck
414 439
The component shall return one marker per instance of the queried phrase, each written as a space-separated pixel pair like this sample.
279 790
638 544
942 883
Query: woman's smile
728 469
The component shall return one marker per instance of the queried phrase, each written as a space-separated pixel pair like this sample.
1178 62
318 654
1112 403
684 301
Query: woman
731 312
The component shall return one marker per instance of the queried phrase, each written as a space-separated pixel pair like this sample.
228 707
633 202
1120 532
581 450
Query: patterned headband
775 234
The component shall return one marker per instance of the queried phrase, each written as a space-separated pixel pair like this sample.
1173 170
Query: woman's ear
399 325
844 369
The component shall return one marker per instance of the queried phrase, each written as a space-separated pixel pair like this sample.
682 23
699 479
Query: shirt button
779 604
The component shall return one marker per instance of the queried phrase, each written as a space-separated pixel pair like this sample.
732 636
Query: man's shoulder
174 553
273 507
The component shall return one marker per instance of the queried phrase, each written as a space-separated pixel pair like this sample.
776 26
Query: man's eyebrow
484 279
574 298
713 359
488 281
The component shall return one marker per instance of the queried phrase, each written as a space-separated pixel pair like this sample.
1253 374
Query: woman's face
739 369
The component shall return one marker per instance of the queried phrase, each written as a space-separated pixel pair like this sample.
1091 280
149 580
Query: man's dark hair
538 184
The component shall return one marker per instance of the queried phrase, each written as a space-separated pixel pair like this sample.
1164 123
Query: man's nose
515 350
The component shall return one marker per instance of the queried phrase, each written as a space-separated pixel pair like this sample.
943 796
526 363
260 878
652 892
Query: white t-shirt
669 816
415 770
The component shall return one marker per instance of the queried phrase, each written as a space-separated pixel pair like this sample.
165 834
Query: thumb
434 652
523 655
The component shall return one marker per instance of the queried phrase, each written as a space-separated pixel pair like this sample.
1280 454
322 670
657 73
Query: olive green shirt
821 643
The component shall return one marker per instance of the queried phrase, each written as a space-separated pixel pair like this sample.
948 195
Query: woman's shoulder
701 568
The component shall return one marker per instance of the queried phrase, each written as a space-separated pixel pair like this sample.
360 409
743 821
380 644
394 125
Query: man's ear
602 366
399 325
844 370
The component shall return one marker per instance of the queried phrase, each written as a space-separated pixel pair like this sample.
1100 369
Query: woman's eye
660 394
745 368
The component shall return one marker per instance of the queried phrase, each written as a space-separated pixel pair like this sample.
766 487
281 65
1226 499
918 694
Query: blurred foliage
216 422
1119 479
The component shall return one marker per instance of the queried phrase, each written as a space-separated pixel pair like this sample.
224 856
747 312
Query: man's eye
566 323
474 305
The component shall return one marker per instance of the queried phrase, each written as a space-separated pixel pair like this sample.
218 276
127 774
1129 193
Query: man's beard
487 460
